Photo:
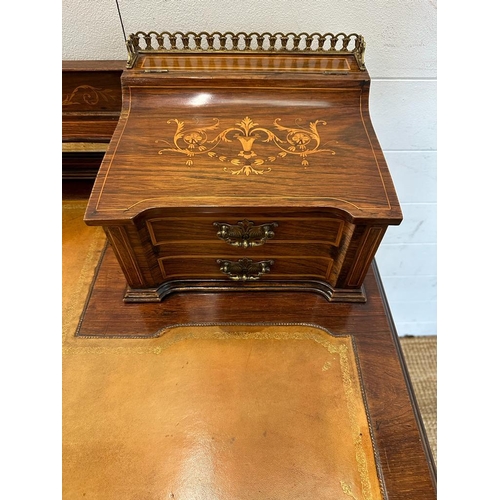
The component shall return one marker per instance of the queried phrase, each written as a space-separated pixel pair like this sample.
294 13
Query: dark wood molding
93 65
411 393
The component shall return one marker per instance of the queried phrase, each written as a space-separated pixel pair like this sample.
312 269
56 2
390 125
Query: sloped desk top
233 130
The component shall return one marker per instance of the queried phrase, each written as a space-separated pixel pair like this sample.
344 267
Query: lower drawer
243 268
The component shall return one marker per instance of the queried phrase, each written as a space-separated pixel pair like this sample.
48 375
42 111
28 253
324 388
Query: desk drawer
245 231
258 267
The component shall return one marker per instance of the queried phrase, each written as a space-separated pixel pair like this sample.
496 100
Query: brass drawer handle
245 269
245 234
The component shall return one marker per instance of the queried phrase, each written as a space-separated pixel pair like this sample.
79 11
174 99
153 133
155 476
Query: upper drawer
245 231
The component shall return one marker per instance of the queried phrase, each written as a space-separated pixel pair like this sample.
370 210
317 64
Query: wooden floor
406 459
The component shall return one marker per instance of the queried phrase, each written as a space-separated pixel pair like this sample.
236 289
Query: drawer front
245 232
259 267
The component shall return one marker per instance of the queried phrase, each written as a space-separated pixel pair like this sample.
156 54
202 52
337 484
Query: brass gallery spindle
293 43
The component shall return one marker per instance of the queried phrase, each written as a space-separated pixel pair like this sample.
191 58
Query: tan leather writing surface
217 412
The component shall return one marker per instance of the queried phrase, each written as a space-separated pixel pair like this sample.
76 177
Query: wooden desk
156 208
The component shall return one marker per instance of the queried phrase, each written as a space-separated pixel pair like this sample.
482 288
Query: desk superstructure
244 162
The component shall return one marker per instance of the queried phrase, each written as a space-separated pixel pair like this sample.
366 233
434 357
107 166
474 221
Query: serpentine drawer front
244 163
292 247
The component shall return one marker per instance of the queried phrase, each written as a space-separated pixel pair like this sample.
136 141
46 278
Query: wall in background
401 57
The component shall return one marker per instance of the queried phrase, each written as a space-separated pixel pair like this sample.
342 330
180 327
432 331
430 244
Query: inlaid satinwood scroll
192 140
89 95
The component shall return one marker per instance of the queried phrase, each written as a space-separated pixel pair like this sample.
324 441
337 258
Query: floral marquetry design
248 135
88 95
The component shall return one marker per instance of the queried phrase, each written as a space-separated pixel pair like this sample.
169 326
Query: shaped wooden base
134 295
